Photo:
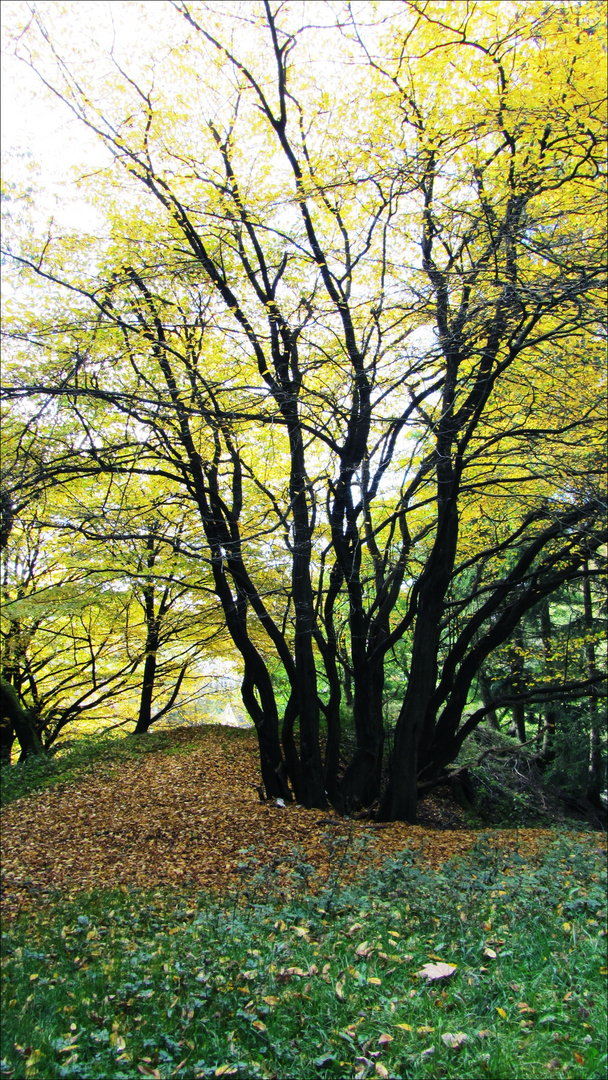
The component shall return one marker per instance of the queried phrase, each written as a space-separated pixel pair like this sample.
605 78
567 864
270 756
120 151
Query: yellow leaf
404 1027
340 991
567 927
385 1039
364 949
271 1001
34 977
381 1069
425 1030
490 953
226 1070
259 1025
501 1012
374 981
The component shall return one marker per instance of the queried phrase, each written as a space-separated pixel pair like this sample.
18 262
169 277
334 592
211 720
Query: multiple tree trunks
364 363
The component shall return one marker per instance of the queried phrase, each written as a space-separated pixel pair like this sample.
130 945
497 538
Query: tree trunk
7 738
360 785
144 718
518 711
548 750
22 721
595 780
486 697
399 801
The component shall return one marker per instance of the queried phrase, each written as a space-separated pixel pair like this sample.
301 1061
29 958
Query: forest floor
161 921
190 816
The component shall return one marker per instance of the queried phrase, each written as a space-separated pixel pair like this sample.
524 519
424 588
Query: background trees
353 326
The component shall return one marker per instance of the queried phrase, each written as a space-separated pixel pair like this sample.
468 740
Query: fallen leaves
364 949
454 1041
186 818
437 971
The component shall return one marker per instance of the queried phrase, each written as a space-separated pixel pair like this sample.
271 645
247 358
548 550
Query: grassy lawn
161 983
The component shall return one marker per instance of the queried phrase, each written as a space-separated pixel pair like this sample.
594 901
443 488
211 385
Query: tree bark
595 781
548 749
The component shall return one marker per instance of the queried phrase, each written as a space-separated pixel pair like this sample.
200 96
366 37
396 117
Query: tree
392 292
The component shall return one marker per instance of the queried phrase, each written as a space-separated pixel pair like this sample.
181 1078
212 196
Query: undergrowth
156 983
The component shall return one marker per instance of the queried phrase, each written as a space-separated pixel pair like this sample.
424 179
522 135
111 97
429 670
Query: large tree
348 303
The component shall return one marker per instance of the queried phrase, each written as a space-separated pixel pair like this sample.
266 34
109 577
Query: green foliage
569 765
157 983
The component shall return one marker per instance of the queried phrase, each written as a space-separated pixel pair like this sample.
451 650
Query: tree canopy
333 351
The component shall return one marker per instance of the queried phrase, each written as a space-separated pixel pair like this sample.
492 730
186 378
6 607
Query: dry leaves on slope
183 819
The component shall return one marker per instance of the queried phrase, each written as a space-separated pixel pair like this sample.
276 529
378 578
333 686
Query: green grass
136 983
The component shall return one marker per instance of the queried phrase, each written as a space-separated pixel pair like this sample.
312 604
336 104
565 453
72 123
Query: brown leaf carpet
182 819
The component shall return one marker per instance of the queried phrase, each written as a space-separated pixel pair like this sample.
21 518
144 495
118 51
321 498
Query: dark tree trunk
7 738
548 749
21 720
347 684
518 683
153 625
144 718
400 799
595 780
360 785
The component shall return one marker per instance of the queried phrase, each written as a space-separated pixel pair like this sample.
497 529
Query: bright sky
38 133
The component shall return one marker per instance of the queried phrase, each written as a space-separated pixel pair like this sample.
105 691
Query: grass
137 983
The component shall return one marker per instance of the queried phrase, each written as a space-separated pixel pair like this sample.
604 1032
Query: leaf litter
192 819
